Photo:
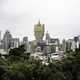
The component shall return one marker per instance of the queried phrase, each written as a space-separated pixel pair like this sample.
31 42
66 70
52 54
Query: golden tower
39 31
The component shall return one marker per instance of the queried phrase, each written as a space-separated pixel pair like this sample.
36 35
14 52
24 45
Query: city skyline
61 18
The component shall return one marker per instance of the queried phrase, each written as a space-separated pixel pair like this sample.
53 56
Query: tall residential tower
7 40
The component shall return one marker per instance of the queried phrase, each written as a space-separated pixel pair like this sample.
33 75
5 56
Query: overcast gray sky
61 17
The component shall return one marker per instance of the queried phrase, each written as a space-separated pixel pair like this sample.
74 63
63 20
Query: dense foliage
18 65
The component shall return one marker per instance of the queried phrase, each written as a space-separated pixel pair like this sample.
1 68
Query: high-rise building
25 42
25 39
0 36
15 43
39 31
47 38
0 41
7 40
53 44
64 45
76 38
73 47
79 41
69 44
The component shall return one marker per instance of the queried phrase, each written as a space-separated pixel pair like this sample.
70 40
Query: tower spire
39 23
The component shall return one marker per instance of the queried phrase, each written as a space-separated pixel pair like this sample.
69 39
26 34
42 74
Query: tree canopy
20 66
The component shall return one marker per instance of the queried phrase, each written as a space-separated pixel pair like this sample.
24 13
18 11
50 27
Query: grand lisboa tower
39 31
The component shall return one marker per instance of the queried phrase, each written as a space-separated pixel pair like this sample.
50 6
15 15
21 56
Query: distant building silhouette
7 40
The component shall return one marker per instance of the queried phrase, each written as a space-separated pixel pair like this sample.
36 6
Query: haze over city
61 17
39 39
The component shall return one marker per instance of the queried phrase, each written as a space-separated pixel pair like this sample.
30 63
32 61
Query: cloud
61 17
